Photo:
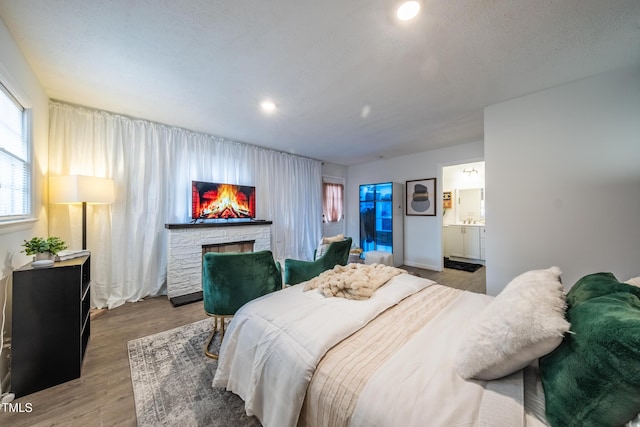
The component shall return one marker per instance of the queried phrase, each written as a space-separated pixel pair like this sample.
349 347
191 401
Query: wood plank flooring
103 395
474 282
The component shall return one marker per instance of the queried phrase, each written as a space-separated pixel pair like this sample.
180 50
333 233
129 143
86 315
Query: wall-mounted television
212 200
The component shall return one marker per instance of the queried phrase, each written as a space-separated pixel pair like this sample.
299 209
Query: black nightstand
50 324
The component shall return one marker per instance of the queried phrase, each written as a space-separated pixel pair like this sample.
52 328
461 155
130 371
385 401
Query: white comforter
419 385
274 343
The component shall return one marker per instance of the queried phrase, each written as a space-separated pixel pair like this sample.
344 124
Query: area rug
172 378
459 265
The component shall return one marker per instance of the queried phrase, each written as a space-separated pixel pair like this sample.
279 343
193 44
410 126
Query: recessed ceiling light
408 10
268 106
366 110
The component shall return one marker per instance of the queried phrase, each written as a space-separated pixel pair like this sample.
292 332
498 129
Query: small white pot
44 255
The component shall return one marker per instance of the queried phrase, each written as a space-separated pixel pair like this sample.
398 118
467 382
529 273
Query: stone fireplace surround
185 247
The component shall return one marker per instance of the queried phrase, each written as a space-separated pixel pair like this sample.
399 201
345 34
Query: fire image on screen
210 200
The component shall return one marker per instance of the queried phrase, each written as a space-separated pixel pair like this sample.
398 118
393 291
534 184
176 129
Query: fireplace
246 246
187 243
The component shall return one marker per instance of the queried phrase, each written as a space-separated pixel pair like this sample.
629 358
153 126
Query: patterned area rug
172 378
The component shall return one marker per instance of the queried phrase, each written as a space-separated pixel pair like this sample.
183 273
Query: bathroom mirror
470 205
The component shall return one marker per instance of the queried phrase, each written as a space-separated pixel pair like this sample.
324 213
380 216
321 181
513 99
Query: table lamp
81 189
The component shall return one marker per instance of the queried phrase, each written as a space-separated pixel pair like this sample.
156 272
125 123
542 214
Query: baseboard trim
425 266
186 299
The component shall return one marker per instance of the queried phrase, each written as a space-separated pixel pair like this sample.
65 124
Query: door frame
440 184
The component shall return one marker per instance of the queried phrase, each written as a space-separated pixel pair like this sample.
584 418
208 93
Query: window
15 159
332 200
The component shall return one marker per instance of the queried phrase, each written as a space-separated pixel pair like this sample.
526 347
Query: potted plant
43 248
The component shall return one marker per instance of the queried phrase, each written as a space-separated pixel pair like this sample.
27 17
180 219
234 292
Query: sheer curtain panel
152 166
332 201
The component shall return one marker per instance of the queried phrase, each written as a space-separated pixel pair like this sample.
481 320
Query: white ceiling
204 65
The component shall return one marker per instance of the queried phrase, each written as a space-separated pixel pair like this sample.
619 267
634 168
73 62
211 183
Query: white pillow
524 322
635 281
324 244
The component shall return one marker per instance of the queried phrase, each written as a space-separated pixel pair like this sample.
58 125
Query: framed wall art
447 203
421 197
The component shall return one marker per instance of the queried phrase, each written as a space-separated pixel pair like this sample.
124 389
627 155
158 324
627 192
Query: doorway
463 213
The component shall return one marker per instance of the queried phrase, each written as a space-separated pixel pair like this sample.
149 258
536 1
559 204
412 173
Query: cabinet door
446 239
454 240
471 236
384 235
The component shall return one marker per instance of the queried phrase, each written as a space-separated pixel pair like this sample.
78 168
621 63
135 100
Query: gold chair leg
213 333
208 344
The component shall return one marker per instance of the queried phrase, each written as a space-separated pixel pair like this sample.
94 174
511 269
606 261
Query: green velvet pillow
593 377
596 285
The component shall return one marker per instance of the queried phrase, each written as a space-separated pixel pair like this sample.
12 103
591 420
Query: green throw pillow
593 377
596 285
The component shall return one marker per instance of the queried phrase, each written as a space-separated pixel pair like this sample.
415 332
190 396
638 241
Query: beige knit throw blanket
352 281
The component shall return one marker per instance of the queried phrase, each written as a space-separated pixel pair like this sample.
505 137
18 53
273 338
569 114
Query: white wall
563 180
331 169
17 75
422 234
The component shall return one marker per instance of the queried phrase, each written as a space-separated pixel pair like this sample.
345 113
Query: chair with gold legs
230 280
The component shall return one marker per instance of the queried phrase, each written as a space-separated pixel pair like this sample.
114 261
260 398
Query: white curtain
152 166
332 201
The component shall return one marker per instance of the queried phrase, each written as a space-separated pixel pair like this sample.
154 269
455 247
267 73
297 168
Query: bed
407 355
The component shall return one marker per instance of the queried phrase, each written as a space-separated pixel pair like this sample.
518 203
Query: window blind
15 162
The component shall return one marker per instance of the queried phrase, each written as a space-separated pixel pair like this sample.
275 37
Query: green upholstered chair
296 271
231 279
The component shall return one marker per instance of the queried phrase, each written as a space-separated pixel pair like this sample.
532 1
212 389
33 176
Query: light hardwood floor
103 395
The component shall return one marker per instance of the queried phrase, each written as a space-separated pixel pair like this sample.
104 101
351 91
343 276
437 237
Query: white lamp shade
80 188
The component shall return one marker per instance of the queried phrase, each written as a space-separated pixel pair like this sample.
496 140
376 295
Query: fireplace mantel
218 224
184 252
